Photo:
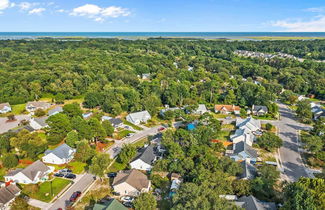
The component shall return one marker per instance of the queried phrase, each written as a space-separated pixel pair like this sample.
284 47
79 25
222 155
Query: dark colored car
112 174
70 176
128 204
65 170
58 175
75 196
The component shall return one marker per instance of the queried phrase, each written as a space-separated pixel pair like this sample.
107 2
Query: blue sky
161 15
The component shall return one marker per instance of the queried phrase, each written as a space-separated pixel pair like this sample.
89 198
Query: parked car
130 134
128 204
65 171
116 193
75 196
70 176
58 175
127 199
112 174
161 129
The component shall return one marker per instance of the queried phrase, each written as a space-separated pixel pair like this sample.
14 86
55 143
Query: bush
39 113
10 161
269 141
268 126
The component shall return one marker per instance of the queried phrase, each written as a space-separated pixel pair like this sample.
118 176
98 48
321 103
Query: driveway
288 128
115 149
6 126
80 184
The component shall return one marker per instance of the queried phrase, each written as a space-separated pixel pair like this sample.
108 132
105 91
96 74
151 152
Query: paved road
6 126
81 184
115 149
288 126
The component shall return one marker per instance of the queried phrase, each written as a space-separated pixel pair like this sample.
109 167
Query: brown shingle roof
229 108
133 177
8 193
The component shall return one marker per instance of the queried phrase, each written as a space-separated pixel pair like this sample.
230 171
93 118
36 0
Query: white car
127 199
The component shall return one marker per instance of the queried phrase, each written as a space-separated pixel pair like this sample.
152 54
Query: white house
38 123
34 105
55 111
259 110
144 160
60 155
243 151
138 117
249 124
8 195
4 108
243 135
32 174
131 182
201 109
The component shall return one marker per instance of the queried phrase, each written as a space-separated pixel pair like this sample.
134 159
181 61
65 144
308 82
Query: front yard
43 190
121 134
75 166
132 125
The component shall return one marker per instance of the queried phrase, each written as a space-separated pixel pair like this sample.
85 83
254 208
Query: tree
84 152
128 151
306 193
59 127
230 97
304 111
4 141
269 141
19 204
72 110
97 130
99 164
146 201
82 127
314 144
10 160
59 98
39 113
151 104
109 129
241 187
319 127
72 138
268 126
11 117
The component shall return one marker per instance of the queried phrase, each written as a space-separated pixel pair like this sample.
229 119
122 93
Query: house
176 181
226 109
32 174
106 118
55 111
243 135
4 108
131 182
138 117
145 159
252 203
201 109
38 123
248 124
259 110
243 151
7 195
60 155
162 112
146 76
87 115
116 122
302 98
249 171
112 204
34 105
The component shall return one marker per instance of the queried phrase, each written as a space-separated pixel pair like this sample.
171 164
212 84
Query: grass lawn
228 127
224 135
122 134
3 172
132 125
16 110
75 166
264 118
283 37
42 191
222 115
141 142
116 166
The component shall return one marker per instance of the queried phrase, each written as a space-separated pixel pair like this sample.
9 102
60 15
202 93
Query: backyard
43 190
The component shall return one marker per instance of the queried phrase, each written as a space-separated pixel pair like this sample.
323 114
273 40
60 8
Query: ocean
205 35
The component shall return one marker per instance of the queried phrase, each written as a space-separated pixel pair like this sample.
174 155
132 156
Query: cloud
36 11
60 10
4 4
316 9
100 13
316 24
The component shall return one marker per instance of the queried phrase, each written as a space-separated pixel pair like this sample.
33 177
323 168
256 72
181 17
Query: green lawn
132 125
264 117
141 142
16 110
42 191
123 133
75 166
116 166
228 127
224 135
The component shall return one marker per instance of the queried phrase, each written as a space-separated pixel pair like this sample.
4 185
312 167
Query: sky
162 16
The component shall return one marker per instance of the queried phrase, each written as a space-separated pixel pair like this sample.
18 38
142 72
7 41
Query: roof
139 115
63 151
113 204
8 193
229 108
147 156
32 170
55 110
242 146
106 118
252 203
249 123
3 105
249 171
115 121
38 104
133 177
41 121
201 108
259 108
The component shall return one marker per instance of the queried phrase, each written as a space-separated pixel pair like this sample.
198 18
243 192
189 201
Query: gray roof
141 116
252 203
32 170
249 171
8 193
41 121
63 151
56 109
133 177
116 121
257 108
38 104
249 123
242 146
147 155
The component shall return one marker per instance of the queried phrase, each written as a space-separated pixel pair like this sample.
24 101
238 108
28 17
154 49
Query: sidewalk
39 204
